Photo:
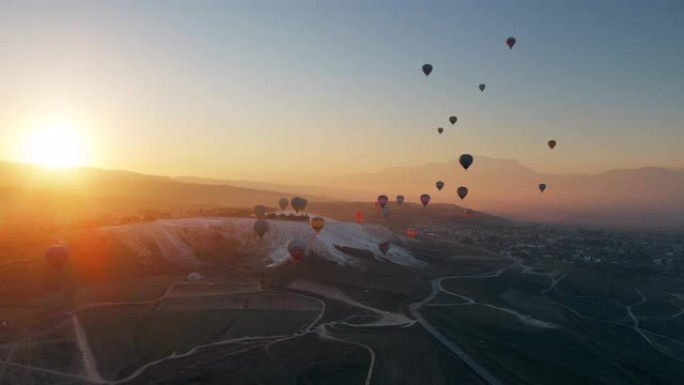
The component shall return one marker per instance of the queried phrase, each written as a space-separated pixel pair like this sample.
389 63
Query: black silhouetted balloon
261 227
382 200
462 192
510 42
425 199
466 160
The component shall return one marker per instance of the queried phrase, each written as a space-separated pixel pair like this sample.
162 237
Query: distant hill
65 195
648 197
408 215
317 192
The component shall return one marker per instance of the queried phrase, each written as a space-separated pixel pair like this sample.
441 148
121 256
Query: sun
56 145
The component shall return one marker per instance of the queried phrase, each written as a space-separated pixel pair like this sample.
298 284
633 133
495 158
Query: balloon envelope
57 256
358 217
510 42
439 185
542 187
283 203
297 248
425 199
462 192
384 247
400 199
317 223
482 86
440 130
259 211
427 68
552 144
261 227
382 200
466 160
453 119
411 232
298 203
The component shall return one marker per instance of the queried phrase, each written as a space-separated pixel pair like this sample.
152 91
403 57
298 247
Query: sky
278 90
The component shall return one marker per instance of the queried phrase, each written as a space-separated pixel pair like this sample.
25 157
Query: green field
521 354
602 309
486 290
658 305
601 284
655 309
18 321
126 337
673 328
306 359
443 298
409 356
136 289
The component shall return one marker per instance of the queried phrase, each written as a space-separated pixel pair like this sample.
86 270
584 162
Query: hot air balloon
425 199
466 160
400 199
542 187
453 119
317 223
358 217
261 227
297 248
552 144
427 68
382 200
482 86
283 203
259 211
510 42
195 277
462 192
440 130
439 185
384 247
57 256
386 211
411 232
468 212
298 204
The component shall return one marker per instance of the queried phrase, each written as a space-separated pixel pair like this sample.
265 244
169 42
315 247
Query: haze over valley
351 192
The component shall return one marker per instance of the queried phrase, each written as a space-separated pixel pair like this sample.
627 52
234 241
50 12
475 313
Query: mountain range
649 197
645 198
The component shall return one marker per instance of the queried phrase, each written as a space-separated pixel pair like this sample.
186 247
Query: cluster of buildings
644 252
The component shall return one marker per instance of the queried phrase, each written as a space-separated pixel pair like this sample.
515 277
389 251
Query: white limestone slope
178 240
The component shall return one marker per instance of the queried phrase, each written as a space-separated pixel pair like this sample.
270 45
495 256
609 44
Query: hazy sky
256 89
